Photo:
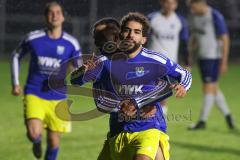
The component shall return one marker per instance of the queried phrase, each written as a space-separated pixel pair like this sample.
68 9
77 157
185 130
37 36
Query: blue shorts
209 69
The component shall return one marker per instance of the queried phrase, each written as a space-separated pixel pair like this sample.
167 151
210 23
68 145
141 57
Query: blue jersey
131 78
47 57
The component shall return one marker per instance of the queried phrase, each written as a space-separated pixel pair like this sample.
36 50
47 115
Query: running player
48 49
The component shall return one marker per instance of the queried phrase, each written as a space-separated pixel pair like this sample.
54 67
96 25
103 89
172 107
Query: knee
33 134
54 140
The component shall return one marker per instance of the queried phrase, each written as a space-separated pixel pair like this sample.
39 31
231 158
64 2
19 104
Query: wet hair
53 3
137 17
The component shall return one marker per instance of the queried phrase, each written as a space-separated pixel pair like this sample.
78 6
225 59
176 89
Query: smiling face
54 16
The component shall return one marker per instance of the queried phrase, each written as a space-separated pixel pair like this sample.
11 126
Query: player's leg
223 107
53 142
34 132
34 115
105 152
159 155
55 126
142 157
209 75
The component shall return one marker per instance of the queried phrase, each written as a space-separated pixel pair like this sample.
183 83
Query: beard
129 46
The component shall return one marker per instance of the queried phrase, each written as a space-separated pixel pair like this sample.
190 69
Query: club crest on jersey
139 71
60 50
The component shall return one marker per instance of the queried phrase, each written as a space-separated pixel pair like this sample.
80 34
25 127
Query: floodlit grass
217 142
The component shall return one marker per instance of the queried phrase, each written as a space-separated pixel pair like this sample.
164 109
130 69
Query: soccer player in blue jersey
169 34
127 78
48 48
210 41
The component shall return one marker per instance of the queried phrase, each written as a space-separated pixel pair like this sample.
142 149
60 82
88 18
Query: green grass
215 143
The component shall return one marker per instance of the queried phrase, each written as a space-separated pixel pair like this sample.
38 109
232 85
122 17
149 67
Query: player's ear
144 40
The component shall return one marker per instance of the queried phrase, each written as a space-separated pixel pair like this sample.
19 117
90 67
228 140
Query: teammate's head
106 34
198 6
54 14
168 6
135 28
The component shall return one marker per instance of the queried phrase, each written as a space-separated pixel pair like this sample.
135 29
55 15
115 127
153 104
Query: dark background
18 17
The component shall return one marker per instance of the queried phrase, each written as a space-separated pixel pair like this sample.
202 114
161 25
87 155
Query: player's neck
135 53
55 33
166 14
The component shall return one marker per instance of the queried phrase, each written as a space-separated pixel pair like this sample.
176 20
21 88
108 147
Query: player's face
55 16
197 8
133 32
168 5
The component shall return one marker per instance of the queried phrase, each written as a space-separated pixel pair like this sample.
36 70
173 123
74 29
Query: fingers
180 91
128 108
16 91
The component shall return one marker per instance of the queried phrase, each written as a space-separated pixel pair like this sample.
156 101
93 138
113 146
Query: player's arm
17 54
183 76
76 58
88 72
222 33
184 38
225 52
105 101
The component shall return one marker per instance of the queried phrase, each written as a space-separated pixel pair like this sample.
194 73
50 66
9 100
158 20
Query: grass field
217 142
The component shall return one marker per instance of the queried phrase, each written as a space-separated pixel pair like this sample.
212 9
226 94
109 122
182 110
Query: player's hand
148 111
128 108
180 90
223 68
16 90
188 68
90 65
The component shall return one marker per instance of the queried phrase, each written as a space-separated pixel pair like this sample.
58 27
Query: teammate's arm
17 55
88 72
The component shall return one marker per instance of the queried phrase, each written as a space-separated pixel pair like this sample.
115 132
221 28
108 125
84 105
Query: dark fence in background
18 17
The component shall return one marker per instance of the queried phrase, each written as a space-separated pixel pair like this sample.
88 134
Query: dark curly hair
137 17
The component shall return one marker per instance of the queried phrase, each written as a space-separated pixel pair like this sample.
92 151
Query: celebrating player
48 48
210 40
137 74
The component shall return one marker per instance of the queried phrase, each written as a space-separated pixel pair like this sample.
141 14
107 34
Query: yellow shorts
126 145
36 107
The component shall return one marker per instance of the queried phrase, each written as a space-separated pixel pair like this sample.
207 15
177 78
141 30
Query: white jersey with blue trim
47 57
166 33
205 29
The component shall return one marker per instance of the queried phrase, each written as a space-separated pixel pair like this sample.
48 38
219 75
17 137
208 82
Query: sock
208 102
221 103
51 154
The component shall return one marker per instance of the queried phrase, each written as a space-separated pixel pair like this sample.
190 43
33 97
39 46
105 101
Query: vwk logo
130 89
139 71
60 50
49 62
